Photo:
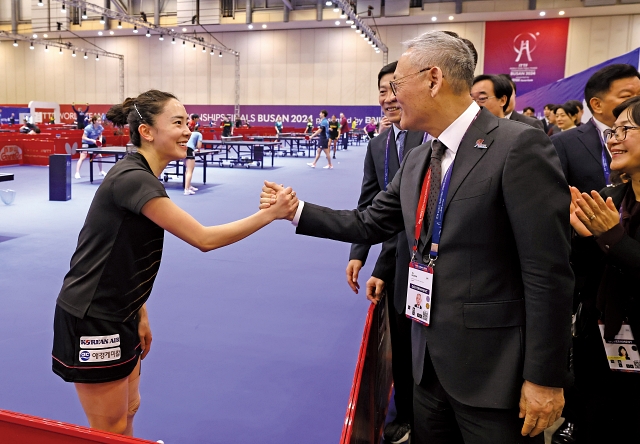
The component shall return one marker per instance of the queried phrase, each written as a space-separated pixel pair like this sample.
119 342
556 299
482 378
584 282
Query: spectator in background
545 121
278 126
194 123
309 128
492 92
12 119
512 114
334 134
566 116
238 122
529 112
29 128
227 127
578 105
553 127
80 115
370 129
92 136
193 145
344 130
52 119
354 124
323 140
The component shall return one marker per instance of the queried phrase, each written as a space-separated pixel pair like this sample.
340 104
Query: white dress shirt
450 137
601 127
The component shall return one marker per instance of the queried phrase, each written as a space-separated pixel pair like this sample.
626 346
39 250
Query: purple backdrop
292 116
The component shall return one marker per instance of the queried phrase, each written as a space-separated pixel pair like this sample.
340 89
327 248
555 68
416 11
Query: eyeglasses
482 100
394 84
619 132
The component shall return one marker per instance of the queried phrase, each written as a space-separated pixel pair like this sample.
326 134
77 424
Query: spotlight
250 26
184 29
433 19
64 9
84 14
73 54
220 55
161 38
45 35
349 22
111 32
30 45
264 26
97 58
204 49
353 25
46 48
358 30
15 43
86 56
211 53
336 9
102 20
35 36
173 40
560 12
542 13
450 17
40 3
144 16
337 22
194 46
135 29
60 52
184 44
119 24
343 15
328 3
148 33
99 32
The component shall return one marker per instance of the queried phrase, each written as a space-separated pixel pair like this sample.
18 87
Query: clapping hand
280 199
384 124
594 215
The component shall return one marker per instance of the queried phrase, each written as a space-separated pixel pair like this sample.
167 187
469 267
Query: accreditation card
419 291
622 351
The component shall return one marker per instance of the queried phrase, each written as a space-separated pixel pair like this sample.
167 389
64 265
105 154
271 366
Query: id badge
622 351
419 293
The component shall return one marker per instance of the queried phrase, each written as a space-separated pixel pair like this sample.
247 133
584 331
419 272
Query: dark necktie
437 151
400 144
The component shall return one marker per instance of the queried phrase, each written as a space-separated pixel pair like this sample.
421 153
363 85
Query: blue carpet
278 373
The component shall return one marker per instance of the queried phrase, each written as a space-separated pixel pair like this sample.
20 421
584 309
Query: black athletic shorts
190 153
93 350
333 136
323 143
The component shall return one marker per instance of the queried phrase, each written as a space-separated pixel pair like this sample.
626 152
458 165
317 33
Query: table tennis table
119 152
296 143
177 167
5 177
233 152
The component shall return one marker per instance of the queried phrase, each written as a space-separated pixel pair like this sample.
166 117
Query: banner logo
10 152
525 43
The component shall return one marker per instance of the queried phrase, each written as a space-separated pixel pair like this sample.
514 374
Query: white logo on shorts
99 341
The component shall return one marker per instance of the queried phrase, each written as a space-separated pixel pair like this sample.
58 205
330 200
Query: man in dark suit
583 155
382 161
496 347
511 113
492 92
585 162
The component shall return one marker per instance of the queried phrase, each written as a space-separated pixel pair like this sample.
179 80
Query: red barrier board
18 428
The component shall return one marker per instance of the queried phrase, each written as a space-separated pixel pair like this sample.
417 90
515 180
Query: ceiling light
35 36
353 25
357 30
194 46
264 26
97 58
60 52
184 29
99 32
173 40
220 55
450 17
135 29
250 26
161 38
111 32
30 45
343 15
40 3
349 22
84 14
328 3
148 33
45 36
184 44
86 56
119 25
336 9
15 43
73 54
102 19
64 9
560 12
542 13
204 49
46 48
337 22
211 53
434 18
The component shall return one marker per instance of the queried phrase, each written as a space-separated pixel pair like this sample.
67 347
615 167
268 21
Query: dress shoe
566 434
397 432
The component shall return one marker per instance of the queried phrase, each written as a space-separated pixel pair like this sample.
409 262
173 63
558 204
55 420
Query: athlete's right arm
169 216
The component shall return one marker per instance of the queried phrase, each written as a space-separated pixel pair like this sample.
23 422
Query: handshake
279 200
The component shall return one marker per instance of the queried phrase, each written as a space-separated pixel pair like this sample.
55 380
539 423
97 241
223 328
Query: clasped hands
591 215
282 200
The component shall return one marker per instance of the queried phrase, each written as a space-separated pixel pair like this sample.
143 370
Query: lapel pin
480 144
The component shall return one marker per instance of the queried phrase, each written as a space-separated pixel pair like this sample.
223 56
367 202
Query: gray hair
450 54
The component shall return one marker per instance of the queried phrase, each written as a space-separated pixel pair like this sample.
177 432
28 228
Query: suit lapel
591 140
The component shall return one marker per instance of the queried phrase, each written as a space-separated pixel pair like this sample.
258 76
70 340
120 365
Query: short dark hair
510 80
324 112
633 104
578 104
529 108
136 111
94 118
600 82
569 109
195 116
388 69
501 87
550 106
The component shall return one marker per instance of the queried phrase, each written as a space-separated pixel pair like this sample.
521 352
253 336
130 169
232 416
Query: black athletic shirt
333 128
119 250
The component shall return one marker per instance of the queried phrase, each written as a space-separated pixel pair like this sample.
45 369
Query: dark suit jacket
580 152
526 119
393 260
502 285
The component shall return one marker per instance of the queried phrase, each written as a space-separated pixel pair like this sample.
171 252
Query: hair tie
134 105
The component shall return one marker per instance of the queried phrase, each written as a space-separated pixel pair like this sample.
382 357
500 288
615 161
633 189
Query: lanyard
439 217
605 163
386 161
425 137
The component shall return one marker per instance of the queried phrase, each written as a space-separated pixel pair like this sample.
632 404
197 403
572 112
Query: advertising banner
532 52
